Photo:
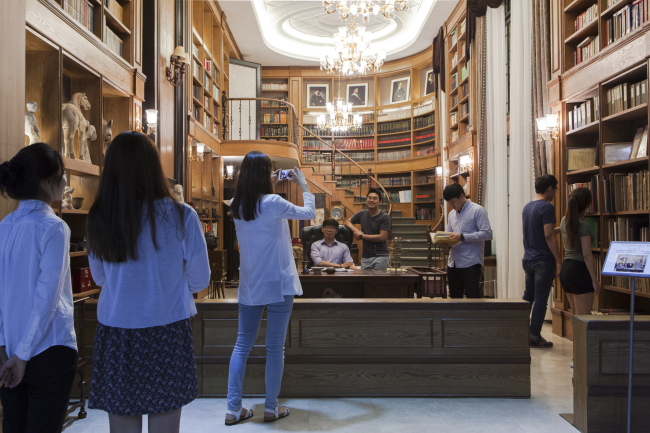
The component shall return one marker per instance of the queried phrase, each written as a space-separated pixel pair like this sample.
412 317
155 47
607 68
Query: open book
443 238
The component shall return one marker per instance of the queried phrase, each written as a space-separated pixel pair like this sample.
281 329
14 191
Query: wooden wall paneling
557 44
136 13
138 91
165 130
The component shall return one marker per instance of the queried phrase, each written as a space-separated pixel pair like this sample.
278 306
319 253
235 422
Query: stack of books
389 128
584 114
82 11
626 20
626 95
354 143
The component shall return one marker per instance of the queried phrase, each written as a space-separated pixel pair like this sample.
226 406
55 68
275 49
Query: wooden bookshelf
206 187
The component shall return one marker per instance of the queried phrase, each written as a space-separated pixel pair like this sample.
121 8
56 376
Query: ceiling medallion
339 117
353 53
363 8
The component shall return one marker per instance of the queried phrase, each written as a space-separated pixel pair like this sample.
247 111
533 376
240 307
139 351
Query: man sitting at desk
329 252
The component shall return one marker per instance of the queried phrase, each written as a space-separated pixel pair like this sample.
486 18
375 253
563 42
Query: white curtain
521 156
496 197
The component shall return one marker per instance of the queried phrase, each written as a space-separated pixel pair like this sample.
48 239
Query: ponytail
20 178
579 200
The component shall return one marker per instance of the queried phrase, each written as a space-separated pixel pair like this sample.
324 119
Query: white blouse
35 289
157 288
267 270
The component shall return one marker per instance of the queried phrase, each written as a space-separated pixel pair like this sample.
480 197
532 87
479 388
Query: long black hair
253 181
579 199
21 177
131 182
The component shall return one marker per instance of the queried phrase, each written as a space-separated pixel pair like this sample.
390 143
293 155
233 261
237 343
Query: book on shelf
390 141
585 50
462 27
195 51
454 101
400 196
401 113
196 92
215 93
424 214
464 90
423 122
82 11
641 285
640 143
316 131
626 95
274 117
454 37
354 143
586 18
206 102
626 20
424 108
389 155
454 81
454 136
274 131
453 118
427 178
206 122
389 128
628 229
592 186
425 151
425 196
206 80
425 136
309 157
626 191
463 73
584 114
443 238
115 8
207 65
275 86
363 130
112 41
461 49
196 70
594 225
464 109
454 60
346 182
215 128
273 104
395 181
356 157
316 145
196 113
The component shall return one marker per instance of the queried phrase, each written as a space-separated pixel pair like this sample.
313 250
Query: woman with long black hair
578 275
36 315
268 276
148 252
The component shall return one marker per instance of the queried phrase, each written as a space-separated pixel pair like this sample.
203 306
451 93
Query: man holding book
471 227
542 260
375 225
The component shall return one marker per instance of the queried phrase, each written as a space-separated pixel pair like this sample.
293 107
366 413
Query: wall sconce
178 66
547 127
200 148
439 172
229 172
152 121
465 163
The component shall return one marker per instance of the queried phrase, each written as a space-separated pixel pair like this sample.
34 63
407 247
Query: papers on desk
442 238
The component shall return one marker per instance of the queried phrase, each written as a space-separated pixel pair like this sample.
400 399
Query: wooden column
12 86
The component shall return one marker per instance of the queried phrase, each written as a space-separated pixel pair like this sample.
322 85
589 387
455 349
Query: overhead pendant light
353 53
364 9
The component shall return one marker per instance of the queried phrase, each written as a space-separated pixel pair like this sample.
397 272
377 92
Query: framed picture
399 90
581 157
317 94
616 152
428 88
358 94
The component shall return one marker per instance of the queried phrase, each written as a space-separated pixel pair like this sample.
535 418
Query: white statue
67 198
73 120
107 134
177 192
87 133
204 190
31 128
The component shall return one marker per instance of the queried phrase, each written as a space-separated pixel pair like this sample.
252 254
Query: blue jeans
379 262
539 280
250 316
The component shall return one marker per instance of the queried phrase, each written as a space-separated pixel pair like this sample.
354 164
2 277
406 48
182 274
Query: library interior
407 215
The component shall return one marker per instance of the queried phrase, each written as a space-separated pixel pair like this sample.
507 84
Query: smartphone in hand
285 175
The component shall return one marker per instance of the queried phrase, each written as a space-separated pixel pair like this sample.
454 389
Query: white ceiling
293 33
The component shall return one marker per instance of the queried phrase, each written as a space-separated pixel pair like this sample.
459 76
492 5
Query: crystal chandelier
363 8
339 117
353 53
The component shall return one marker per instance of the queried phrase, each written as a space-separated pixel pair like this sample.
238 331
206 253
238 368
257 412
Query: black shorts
575 277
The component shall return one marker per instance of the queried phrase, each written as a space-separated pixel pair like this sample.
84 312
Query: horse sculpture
31 126
88 133
107 134
73 120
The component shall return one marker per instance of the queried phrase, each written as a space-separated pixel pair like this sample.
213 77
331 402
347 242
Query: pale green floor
552 394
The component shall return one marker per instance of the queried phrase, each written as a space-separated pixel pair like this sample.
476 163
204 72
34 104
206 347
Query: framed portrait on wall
399 90
428 88
358 94
317 94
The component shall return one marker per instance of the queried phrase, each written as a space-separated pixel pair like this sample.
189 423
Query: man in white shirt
328 251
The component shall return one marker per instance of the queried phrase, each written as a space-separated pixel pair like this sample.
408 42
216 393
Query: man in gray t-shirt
375 225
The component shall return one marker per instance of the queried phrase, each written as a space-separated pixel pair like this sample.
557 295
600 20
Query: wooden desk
362 283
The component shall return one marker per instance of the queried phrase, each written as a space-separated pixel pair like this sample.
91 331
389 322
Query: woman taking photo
578 274
268 277
36 325
148 253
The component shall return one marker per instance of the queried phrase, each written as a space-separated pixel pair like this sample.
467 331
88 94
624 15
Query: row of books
426 151
112 41
215 93
196 113
641 285
82 11
464 90
628 19
454 136
454 101
453 118
400 196
316 145
454 81
423 122
206 102
272 104
206 80
586 18
345 182
195 51
464 109
356 157
425 196
275 117
275 86
427 178
401 113
626 95
626 191
316 131
594 224
424 137
584 114
354 143
364 130
274 131
396 181
391 140
586 49
311 157
424 214
424 108
115 8
196 70
196 92
391 155
388 128
628 229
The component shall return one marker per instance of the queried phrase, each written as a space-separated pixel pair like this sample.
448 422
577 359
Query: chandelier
339 117
352 53
363 8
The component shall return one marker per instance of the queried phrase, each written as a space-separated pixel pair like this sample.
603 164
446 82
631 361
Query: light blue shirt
473 223
337 253
35 290
156 289
267 270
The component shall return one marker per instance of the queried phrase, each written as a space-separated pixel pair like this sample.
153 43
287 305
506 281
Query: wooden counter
378 347
362 283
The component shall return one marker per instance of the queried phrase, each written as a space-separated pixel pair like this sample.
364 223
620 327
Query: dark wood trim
150 56
180 97
622 326
617 391
433 360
